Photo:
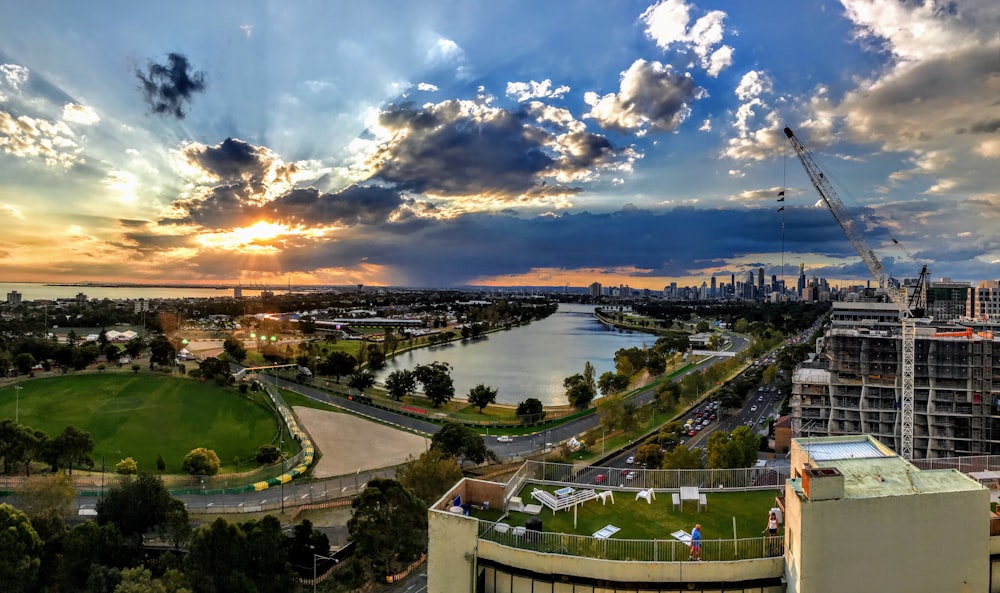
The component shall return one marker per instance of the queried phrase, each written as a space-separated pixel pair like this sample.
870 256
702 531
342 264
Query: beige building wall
451 550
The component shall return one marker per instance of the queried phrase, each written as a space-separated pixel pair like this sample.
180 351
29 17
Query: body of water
35 291
532 360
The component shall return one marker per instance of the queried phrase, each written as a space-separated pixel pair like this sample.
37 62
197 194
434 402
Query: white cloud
247 30
989 149
667 25
916 31
426 87
13 75
706 126
80 114
12 211
525 91
26 136
753 84
650 96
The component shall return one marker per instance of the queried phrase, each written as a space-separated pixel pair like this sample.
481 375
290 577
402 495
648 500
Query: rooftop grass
142 415
641 520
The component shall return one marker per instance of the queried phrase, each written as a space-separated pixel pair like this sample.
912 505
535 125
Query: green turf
143 415
640 520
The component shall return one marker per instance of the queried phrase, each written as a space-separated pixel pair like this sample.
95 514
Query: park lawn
641 520
144 415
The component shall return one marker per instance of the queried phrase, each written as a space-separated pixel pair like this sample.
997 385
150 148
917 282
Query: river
529 361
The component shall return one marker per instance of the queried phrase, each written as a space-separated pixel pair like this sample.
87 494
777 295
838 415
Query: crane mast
896 293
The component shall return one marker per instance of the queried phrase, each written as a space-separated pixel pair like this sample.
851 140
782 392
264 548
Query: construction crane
897 293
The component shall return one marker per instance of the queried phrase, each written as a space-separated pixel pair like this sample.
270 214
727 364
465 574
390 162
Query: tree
610 383
135 506
89 550
482 395
48 494
73 447
683 458
436 381
361 380
430 475
667 395
702 326
400 383
20 551
530 411
213 368
135 346
161 351
127 467
201 462
376 357
234 349
578 391
225 557
24 361
161 465
461 442
388 527
649 455
656 364
267 454
306 542
338 364
733 450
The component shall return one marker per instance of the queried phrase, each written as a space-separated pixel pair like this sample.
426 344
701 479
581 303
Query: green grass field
143 415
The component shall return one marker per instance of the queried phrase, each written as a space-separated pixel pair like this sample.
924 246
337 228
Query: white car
630 460
505 439
753 408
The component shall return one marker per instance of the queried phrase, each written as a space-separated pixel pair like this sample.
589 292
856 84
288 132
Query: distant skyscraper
802 278
595 289
13 298
713 294
760 279
238 292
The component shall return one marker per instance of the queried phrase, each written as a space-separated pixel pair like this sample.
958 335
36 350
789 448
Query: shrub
201 462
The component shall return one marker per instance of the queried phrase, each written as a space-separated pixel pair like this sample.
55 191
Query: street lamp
315 558
17 402
282 478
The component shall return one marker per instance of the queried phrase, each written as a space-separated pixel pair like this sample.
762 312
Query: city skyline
512 144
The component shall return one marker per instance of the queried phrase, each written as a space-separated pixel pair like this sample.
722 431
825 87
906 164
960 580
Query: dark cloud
987 126
226 207
651 96
455 148
230 159
168 87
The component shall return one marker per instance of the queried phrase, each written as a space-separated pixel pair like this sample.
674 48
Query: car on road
753 408
505 439
691 433
760 398
629 476
630 460
600 479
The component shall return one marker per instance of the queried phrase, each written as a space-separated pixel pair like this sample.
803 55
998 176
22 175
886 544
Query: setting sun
254 238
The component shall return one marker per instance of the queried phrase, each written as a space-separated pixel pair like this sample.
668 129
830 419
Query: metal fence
632 550
750 478
977 463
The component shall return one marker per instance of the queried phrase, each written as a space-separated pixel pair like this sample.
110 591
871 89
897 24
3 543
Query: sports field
144 415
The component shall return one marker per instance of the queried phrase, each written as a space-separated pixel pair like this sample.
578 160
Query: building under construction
853 384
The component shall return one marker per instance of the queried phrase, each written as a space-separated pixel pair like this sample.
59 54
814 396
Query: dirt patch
349 443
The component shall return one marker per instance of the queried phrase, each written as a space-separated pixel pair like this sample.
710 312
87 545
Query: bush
201 462
268 454
127 467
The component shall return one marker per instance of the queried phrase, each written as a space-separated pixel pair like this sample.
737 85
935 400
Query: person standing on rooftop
695 543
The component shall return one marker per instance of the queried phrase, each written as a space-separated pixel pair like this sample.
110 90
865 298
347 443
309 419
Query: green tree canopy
20 551
462 443
201 462
683 458
73 447
234 349
400 383
361 380
388 527
436 380
482 395
135 506
338 364
530 410
430 475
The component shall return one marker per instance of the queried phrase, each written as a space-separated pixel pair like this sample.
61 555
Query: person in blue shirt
695 553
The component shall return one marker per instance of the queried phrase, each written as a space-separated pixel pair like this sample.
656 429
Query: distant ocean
33 291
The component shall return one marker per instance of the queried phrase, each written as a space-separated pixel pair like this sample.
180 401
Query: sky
481 143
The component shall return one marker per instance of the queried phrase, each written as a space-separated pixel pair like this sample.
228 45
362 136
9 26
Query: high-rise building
713 294
595 289
854 384
802 278
760 280
984 302
947 300
14 298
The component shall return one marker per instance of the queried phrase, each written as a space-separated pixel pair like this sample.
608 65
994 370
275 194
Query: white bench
702 502
676 499
606 531
649 495
564 502
532 509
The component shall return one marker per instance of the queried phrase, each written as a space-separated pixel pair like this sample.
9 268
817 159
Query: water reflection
529 361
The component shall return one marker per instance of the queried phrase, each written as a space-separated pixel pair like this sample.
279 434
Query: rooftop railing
631 550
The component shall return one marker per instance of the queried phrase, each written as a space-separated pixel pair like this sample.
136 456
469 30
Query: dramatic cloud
426 87
525 91
462 148
667 25
13 75
168 88
651 97
52 141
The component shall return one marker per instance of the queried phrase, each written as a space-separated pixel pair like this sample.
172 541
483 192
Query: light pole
282 478
315 558
17 402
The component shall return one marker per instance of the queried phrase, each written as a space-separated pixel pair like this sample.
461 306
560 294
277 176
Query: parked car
691 434
505 439
600 479
760 398
753 408
629 476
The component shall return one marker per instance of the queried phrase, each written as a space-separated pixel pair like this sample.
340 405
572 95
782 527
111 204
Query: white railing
750 478
632 550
